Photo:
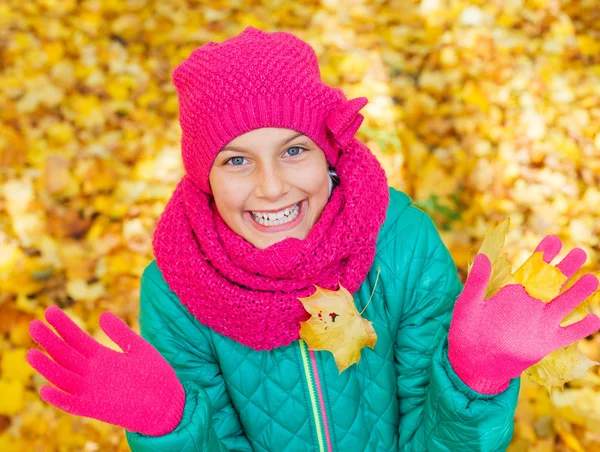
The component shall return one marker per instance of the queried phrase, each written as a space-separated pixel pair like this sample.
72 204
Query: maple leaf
336 325
560 367
582 308
491 246
540 279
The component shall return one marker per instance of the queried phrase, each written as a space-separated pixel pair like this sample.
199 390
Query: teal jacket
402 396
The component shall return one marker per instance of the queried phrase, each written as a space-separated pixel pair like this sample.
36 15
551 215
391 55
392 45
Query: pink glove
137 390
493 341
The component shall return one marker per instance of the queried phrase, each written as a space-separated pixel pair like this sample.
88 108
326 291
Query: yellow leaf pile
336 325
479 110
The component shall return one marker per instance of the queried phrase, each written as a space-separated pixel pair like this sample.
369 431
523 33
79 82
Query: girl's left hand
492 341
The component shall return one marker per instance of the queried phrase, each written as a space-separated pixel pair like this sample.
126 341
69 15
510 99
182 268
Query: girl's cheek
311 175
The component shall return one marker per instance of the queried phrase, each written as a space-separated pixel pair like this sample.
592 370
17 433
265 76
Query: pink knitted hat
255 80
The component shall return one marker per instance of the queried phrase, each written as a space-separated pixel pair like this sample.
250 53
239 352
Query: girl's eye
232 161
295 147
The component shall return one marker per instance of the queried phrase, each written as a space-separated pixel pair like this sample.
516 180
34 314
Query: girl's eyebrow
241 149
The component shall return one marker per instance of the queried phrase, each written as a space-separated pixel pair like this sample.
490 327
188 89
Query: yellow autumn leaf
582 308
13 397
491 246
560 367
14 367
493 241
565 431
540 279
81 290
337 326
7 442
580 405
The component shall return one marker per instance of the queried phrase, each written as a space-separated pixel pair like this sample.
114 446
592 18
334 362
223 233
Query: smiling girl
279 196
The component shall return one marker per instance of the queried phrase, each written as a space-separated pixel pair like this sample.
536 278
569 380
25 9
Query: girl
257 221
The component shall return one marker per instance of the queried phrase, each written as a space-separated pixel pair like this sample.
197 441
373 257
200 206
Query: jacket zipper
313 380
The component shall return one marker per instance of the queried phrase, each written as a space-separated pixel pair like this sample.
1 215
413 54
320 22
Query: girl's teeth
280 218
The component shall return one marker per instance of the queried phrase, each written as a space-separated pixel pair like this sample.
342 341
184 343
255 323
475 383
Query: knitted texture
251 294
254 80
137 389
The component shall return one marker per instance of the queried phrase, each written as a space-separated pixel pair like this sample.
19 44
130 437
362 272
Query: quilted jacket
402 396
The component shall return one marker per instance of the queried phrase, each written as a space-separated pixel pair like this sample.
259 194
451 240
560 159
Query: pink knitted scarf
251 294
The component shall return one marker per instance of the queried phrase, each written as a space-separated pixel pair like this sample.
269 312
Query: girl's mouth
281 221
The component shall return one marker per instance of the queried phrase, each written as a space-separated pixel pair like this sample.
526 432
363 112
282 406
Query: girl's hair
334 177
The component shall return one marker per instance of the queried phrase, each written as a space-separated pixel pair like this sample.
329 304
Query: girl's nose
272 184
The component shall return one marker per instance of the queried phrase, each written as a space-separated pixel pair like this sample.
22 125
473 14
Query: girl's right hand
137 390
494 340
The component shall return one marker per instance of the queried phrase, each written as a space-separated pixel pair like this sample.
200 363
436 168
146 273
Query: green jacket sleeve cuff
194 432
460 412
462 386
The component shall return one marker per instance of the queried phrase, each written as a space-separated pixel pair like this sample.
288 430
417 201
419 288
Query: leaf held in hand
585 307
337 326
560 367
540 279
491 246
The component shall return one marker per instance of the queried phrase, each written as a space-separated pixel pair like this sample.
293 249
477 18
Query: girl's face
270 184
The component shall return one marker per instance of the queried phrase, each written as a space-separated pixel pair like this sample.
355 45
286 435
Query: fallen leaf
13 397
14 367
565 431
580 405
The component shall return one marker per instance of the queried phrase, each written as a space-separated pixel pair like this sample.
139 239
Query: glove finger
62 400
572 333
478 279
564 303
119 332
550 246
70 331
572 262
59 350
57 375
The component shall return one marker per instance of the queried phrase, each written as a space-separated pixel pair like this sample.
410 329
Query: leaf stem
376 279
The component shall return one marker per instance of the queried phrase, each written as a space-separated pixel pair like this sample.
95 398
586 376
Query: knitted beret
254 80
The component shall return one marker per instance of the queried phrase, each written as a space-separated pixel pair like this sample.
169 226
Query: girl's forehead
267 135
267 132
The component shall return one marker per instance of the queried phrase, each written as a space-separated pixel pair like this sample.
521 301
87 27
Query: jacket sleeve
438 412
209 422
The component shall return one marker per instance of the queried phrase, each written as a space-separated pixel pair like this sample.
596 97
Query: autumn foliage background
478 110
